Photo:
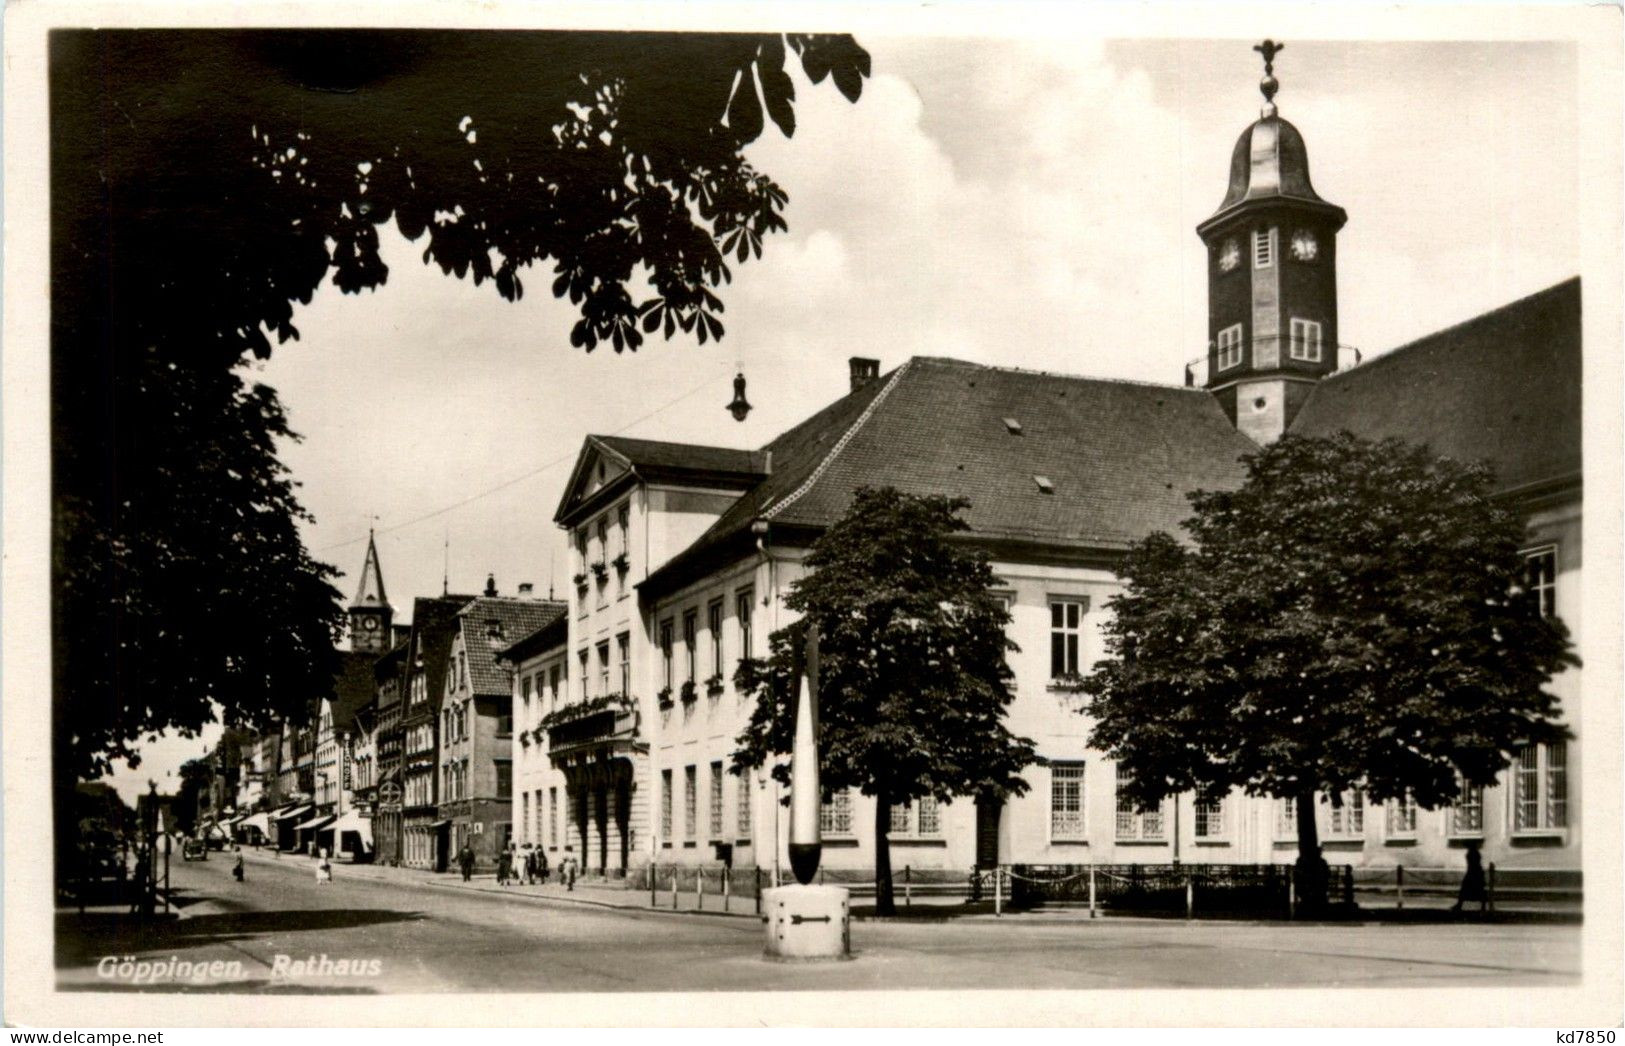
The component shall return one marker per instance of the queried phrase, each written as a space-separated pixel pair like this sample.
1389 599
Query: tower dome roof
1270 162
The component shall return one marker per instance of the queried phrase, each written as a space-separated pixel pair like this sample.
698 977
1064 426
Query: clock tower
1272 276
370 611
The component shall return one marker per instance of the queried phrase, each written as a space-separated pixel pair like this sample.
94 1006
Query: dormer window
1263 248
1229 343
1305 343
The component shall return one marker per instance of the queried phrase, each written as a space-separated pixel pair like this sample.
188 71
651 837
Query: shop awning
440 824
260 821
294 812
315 822
352 821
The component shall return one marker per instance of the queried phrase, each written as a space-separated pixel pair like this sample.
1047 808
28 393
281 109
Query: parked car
194 850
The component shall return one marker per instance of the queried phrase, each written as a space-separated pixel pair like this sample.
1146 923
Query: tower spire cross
1269 84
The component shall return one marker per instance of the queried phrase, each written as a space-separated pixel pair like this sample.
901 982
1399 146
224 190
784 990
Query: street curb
435 884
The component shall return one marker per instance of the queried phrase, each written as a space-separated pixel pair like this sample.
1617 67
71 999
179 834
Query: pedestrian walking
504 867
541 865
324 868
237 869
465 861
530 866
567 871
1472 883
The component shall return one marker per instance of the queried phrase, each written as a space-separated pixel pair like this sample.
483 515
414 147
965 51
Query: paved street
431 935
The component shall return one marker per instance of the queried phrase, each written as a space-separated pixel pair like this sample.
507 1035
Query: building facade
475 759
1063 474
425 841
541 675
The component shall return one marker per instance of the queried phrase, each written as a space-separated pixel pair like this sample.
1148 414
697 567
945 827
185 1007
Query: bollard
699 889
674 888
1190 898
725 889
1092 912
1489 889
998 891
758 891
908 886
653 871
1399 873
1291 897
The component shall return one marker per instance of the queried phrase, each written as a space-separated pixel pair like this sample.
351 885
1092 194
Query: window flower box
713 686
1067 684
664 697
580 580
600 570
621 563
690 692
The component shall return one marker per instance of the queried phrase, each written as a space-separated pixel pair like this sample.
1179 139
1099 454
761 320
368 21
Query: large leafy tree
1354 616
913 684
205 183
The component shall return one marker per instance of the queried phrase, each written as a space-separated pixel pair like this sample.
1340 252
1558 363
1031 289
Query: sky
1027 203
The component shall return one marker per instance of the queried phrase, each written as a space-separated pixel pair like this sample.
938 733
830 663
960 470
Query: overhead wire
505 484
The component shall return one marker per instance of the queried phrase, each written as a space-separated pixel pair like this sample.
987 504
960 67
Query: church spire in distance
370 611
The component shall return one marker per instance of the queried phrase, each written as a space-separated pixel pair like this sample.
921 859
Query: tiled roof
1502 387
510 619
353 687
553 634
648 453
1119 456
434 623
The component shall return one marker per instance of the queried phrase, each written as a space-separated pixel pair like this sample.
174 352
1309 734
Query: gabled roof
553 634
434 623
1502 387
490 624
606 462
1119 457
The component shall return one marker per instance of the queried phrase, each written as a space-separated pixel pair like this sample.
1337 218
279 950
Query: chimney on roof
526 588
490 585
864 371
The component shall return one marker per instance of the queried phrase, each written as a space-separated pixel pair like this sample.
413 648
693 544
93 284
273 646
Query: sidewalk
596 893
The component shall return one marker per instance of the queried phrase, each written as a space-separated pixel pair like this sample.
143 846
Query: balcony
609 722
1196 371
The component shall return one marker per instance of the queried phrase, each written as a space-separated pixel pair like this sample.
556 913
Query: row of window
1538 802
1303 344
454 722
744 600
1067 613
716 815
623 660
599 532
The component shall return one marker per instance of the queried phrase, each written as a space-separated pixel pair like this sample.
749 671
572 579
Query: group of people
528 866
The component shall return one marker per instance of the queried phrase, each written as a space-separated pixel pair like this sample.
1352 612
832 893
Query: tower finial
1269 84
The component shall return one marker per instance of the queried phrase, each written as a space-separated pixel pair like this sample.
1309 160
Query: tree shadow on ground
82 939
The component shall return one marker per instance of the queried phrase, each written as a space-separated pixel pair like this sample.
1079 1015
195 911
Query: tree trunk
1309 874
885 901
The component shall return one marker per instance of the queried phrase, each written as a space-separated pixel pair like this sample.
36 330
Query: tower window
1263 248
1229 347
1305 340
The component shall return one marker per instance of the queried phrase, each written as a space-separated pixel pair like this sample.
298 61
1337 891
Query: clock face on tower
1230 255
369 623
1304 245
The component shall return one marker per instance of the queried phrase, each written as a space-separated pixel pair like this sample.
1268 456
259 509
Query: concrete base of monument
807 923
